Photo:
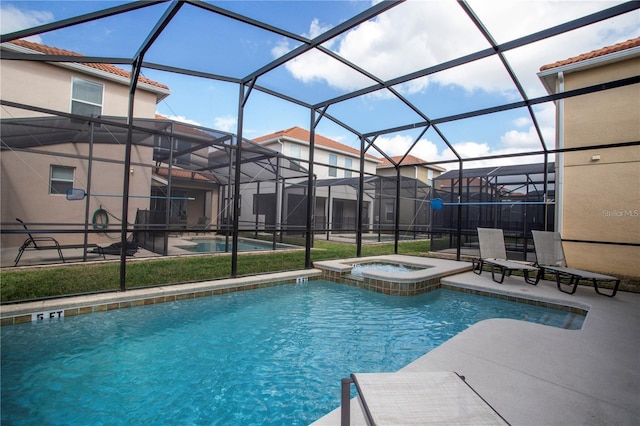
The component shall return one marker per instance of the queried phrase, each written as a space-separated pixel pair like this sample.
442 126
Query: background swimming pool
220 245
268 356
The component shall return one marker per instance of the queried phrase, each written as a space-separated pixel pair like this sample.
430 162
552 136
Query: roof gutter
548 76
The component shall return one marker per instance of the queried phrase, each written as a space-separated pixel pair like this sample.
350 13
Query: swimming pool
274 355
219 245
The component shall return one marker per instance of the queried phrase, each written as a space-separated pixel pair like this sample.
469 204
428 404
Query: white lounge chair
437 397
550 257
494 254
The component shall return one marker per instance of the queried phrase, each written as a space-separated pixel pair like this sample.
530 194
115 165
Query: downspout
560 156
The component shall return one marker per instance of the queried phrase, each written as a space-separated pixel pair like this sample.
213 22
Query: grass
17 285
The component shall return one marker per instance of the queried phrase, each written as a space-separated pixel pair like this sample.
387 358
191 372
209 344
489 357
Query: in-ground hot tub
391 274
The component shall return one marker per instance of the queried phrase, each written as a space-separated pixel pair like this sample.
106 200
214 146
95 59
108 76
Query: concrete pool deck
531 374
540 375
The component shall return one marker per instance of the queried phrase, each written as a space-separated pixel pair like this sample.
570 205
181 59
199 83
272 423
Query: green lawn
82 278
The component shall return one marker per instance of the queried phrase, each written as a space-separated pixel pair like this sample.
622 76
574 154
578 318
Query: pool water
359 268
218 246
267 356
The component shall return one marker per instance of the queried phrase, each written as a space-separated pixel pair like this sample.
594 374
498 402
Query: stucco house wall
25 189
601 187
49 86
25 176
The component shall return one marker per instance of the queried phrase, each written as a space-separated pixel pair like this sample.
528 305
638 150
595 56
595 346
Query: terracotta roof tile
409 160
185 128
304 135
182 174
112 69
595 53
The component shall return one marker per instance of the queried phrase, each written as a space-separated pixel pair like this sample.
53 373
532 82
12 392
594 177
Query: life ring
100 219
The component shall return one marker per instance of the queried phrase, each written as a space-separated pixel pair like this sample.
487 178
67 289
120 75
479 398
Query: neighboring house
416 182
598 194
412 167
43 155
336 170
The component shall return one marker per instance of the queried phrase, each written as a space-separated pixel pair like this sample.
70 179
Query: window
388 212
86 97
348 163
430 177
61 179
295 152
333 161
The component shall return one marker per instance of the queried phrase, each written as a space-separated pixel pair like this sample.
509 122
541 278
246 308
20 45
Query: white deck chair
494 254
417 398
550 257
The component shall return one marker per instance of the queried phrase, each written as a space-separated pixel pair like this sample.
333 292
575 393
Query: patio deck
539 375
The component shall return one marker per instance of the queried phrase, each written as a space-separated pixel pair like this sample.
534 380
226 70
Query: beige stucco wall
49 86
25 175
25 189
420 173
601 199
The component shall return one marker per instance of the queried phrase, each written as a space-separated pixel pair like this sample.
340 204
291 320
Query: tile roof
182 174
189 129
634 42
112 69
411 159
304 135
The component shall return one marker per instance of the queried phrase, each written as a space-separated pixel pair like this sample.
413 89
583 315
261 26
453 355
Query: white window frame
53 179
295 151
333 161
388 212
348 165
84 101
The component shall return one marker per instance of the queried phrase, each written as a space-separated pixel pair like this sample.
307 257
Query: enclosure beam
396 232
242 99
360 201
309 225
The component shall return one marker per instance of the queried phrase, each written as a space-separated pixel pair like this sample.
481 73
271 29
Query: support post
397 212
87 203
345 402
360 201
310 192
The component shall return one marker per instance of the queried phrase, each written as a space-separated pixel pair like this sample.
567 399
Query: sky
409 37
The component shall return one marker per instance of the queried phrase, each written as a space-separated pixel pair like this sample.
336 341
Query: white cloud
181 119
13 19
418 34
522 139
226 123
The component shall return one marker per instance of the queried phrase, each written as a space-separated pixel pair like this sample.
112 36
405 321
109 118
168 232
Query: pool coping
78 305
426 278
